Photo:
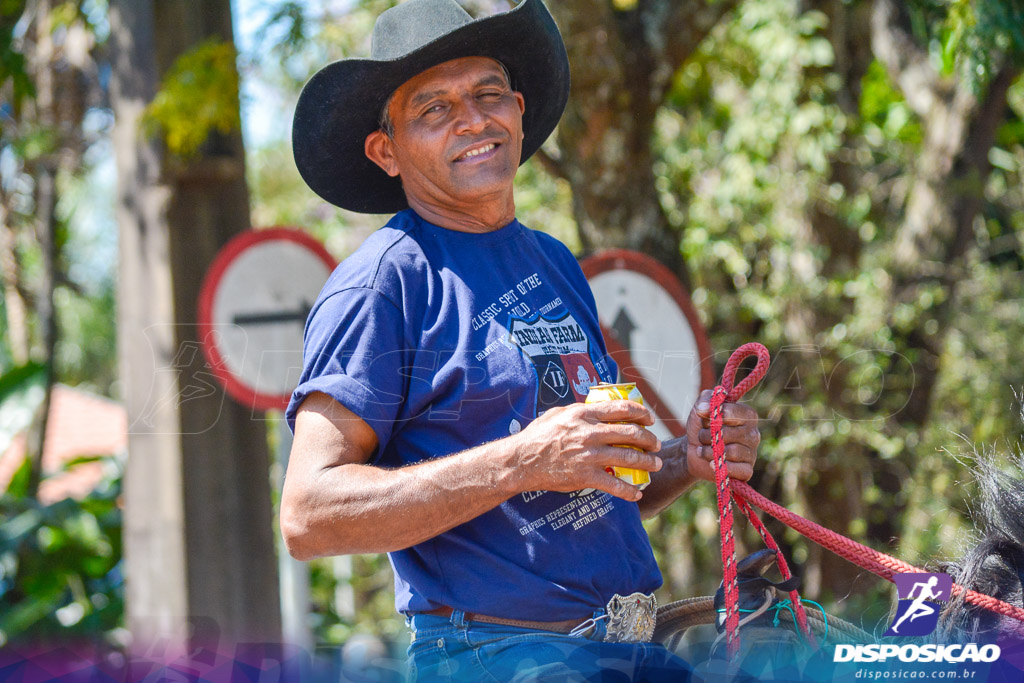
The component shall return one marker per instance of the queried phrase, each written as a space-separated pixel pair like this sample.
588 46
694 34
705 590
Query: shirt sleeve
355 350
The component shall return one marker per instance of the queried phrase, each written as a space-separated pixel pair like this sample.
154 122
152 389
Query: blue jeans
453 649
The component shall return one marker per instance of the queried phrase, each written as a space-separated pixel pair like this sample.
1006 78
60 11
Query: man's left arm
690 458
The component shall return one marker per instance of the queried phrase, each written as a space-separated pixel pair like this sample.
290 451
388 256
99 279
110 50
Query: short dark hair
384 118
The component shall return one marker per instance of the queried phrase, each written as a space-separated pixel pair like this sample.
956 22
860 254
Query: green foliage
35 142
970 38
750 144
84 299
289 21
59 563
86 352
300 39
21 391
884 113
371 591
85 302
545 203
60 573
85 280
198 96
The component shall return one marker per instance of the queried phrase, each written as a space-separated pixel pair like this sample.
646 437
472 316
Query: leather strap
554 626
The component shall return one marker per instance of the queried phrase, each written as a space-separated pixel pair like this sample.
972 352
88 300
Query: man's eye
490 95
433 109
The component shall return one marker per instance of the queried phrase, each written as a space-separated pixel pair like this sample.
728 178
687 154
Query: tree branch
672 32
551 164
849 32
679 26
64 281
972 167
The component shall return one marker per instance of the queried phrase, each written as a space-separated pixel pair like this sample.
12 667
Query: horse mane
994 565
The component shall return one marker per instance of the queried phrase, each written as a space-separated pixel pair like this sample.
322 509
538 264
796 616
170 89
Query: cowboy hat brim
340 104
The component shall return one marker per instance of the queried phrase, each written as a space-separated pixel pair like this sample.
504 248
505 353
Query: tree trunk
938 228
199 543
44 170
46 203
622 63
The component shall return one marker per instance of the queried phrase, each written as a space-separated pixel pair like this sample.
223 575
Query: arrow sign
623 328
258 287
299 315
652 332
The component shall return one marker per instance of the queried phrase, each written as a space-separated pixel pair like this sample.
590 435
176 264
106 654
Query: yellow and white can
602 392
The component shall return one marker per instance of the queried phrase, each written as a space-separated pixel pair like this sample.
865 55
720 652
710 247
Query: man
435 418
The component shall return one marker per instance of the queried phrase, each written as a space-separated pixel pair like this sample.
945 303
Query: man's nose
470 118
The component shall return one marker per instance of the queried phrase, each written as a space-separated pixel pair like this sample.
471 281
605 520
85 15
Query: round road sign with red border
253 306
652 331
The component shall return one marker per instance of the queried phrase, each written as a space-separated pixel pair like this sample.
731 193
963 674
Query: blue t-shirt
443 340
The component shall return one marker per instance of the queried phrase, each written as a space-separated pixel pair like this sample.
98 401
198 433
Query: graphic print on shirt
560 352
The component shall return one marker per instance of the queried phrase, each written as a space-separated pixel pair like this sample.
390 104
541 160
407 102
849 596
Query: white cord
768 597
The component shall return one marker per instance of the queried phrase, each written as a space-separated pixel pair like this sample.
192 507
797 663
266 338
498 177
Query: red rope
727 493
861 555
729 490
730 584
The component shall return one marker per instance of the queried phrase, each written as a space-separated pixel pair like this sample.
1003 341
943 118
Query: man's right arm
334 503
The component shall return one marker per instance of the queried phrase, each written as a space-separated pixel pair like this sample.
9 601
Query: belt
555 626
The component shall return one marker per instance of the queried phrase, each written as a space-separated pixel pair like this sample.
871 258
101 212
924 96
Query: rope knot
734 394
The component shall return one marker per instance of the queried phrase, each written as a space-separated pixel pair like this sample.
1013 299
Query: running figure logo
920 595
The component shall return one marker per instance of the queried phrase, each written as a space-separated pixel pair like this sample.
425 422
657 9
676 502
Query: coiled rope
729 490
726 493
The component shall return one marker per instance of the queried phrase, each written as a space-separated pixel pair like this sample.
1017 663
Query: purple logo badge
920 595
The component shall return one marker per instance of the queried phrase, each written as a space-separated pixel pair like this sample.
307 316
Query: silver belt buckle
631 618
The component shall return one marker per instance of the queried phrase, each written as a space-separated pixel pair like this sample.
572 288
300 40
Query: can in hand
602 392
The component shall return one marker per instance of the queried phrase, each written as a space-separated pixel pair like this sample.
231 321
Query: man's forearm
333 503
669 483
355 508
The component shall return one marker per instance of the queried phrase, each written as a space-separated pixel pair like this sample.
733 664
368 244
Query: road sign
652 331
252 310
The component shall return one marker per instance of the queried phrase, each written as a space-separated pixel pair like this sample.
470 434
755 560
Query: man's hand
739 432
568 448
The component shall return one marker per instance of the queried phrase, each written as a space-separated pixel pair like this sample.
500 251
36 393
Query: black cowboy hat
341 103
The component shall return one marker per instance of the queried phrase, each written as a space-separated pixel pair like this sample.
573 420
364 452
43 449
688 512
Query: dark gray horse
994 565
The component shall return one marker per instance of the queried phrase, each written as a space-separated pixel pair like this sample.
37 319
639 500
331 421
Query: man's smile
479 152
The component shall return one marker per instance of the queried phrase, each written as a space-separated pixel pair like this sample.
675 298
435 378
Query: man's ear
522 110
379 149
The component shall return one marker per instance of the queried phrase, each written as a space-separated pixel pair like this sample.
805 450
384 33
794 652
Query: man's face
457 134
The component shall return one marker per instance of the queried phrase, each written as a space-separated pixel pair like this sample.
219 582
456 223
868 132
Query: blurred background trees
52 134
59 573
837 179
